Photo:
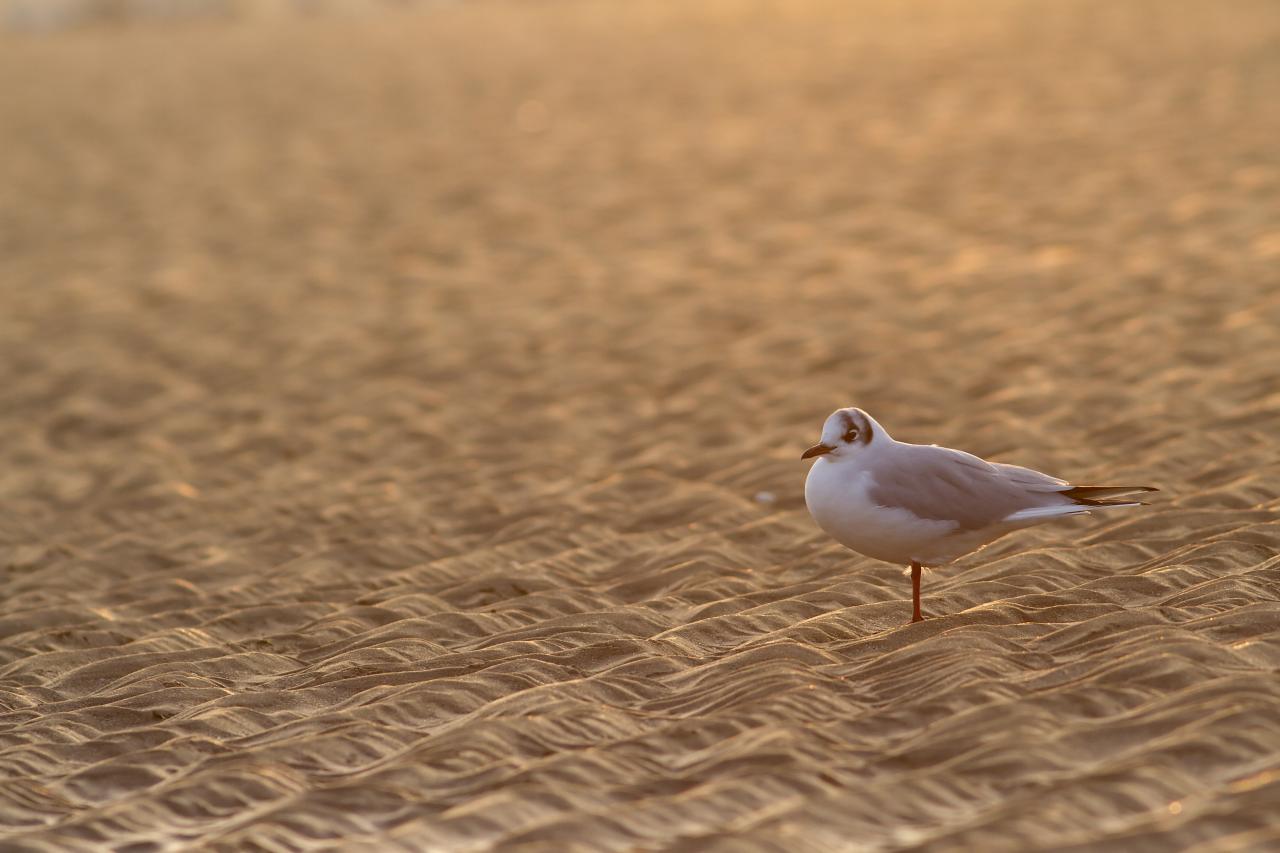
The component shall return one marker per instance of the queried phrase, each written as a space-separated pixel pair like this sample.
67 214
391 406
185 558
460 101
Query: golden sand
391 407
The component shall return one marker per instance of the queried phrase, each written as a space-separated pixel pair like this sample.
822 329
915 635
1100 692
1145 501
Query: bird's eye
851 434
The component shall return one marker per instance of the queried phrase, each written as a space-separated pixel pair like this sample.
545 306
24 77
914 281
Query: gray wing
1032 481
950 485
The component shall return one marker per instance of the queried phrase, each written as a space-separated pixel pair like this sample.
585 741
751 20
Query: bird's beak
816 450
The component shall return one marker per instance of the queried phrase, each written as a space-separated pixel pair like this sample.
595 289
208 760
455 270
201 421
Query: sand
402 419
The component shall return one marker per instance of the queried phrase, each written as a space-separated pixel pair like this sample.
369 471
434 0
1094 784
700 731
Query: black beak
816 450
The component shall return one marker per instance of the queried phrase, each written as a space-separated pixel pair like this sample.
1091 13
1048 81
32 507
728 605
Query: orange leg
915 593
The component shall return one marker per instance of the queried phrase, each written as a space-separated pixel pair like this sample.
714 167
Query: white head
847 433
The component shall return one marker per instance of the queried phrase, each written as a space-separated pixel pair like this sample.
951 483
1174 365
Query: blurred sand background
392 405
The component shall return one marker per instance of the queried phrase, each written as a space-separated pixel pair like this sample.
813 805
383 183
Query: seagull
925 505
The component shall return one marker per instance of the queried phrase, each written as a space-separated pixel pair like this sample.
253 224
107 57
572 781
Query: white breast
836 494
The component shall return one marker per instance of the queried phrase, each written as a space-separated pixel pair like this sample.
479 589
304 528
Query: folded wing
943 484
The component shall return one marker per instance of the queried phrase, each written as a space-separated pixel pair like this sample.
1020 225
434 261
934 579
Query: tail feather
1096 495
1043 513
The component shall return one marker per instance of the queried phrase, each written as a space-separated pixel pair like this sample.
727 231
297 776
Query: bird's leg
915 592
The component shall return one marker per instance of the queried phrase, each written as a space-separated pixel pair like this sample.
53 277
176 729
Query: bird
925 506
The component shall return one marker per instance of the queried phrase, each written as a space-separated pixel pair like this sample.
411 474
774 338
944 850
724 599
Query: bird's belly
840 505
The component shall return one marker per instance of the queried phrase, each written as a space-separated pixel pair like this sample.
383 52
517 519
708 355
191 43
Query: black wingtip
1105 495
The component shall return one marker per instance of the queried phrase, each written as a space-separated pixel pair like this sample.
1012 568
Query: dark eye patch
855 432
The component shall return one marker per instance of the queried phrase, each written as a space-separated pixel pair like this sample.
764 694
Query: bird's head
847 433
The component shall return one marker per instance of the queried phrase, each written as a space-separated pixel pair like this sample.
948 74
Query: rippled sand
387 405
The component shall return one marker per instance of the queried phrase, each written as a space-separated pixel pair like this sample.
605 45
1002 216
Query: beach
403 411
